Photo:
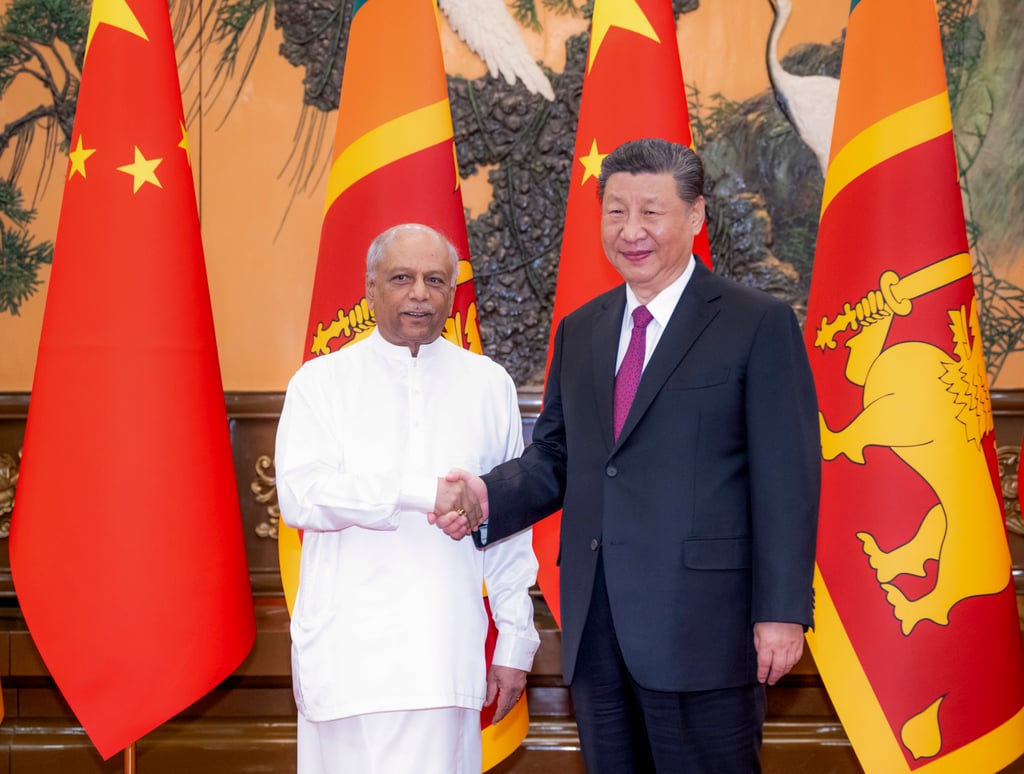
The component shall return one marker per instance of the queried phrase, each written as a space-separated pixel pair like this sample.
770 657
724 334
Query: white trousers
445 740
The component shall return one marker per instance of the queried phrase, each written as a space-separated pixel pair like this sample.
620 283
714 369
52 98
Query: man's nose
633 229
418 289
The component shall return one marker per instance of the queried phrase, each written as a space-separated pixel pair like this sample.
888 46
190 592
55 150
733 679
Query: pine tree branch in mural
41 46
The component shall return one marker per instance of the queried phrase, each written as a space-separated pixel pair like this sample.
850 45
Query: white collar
663 304
402 352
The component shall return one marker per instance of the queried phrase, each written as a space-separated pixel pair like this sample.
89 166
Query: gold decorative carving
1009 463
8 480
265 490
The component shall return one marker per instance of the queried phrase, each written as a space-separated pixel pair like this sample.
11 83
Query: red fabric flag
393 162
126 542
627 37
916 635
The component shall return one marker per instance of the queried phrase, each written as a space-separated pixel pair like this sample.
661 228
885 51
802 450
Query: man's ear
697 213
369 291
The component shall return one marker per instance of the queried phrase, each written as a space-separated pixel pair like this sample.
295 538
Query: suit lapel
606 331
697 307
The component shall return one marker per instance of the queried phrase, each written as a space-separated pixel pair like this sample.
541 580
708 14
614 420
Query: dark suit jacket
705 510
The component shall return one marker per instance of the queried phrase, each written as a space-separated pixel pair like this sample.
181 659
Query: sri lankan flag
626 37
393 162
916 635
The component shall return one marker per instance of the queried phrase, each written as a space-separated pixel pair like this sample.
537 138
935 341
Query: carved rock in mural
314 38
529 143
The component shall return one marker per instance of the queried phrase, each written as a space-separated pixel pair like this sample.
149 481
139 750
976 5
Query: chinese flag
916 635
126 546
627 37
393 162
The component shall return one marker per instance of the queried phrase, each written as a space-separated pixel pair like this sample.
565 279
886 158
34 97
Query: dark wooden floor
553 748
550 748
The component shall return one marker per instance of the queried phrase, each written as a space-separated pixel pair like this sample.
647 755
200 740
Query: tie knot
641 316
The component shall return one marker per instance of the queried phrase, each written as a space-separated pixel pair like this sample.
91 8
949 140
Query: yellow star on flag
78 157
625 14
142 170
116 13
592 162
184 143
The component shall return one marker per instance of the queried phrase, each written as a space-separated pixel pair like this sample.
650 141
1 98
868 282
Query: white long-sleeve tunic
389 613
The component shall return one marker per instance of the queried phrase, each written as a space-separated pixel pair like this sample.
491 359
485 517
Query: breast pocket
683 379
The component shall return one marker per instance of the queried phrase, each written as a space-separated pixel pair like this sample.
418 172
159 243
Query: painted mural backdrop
514 131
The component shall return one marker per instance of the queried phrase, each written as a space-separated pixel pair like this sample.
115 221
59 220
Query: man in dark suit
688 532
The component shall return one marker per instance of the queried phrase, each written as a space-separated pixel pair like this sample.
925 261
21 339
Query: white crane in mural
490 31
808 101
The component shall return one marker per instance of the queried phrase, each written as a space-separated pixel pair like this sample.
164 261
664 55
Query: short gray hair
383 240
656 156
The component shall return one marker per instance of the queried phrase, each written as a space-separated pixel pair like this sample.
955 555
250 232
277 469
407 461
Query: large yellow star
184 143
625 14
78 157
142 170
592 162
116 13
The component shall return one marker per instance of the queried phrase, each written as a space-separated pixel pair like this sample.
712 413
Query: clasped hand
461 504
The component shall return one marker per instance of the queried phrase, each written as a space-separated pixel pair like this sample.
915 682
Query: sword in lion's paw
894 296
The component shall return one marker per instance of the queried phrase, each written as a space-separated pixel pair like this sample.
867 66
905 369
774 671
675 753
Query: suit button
595 544
611 471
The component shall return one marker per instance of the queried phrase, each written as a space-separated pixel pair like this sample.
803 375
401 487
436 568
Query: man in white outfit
389 623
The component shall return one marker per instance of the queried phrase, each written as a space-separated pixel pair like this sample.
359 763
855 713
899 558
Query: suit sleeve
510 569
525 490
785 470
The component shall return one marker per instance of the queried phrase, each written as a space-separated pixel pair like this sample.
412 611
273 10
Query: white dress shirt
389 614
660 307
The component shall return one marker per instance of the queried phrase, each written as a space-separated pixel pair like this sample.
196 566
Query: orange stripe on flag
899 56
388 88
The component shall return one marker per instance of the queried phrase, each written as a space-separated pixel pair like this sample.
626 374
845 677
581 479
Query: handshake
461 505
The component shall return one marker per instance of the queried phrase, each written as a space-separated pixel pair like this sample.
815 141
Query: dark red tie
628 377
